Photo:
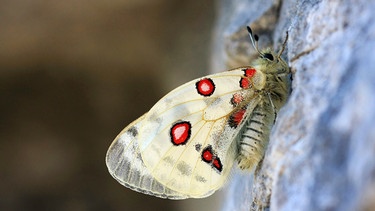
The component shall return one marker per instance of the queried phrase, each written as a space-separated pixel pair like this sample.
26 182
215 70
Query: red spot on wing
245 82
180 133
236 99
205 87
236 118
209 156
217 164
249 72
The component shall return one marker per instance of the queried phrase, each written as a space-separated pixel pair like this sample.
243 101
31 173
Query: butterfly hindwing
125 164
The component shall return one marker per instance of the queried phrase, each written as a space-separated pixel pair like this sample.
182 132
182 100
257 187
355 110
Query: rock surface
321 154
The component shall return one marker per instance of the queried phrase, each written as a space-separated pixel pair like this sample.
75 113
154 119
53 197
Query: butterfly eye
268 56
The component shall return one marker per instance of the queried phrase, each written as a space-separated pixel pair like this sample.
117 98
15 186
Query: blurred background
73 74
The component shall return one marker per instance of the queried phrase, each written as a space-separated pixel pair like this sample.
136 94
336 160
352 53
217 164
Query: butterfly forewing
187 100
186 141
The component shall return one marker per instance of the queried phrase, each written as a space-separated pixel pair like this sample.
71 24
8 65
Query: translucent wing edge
125 164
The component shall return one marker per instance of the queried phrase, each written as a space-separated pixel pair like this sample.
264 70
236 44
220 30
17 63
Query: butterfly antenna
254 39
284 44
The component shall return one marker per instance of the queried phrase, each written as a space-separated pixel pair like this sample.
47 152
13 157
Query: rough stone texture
322 149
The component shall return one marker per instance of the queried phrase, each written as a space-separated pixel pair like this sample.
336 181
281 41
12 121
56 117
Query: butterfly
186 145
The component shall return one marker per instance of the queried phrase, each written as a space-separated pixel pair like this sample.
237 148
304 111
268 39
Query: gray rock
321 154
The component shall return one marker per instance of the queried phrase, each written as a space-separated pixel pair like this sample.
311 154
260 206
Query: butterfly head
270 61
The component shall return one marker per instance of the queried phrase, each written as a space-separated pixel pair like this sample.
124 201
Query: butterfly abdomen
253 139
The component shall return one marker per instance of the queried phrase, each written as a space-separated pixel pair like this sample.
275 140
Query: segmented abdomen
254 137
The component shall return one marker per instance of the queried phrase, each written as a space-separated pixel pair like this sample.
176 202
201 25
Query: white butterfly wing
187 140
185 146
125 164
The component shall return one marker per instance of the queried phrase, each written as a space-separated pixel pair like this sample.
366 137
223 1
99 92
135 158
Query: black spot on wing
133 131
